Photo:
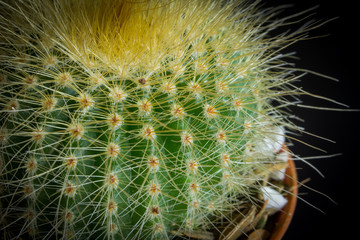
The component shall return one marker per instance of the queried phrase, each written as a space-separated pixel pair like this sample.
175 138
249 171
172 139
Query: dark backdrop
336 55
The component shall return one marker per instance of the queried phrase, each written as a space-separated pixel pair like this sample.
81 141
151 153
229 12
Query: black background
336 55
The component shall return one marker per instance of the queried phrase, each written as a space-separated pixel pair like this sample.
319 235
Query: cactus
137 119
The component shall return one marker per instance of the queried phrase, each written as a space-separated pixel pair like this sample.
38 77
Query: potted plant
144 119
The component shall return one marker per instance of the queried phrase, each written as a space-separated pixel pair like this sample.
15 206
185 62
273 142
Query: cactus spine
136 119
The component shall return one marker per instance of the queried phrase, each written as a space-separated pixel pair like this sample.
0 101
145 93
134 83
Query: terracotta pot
285 215
278 223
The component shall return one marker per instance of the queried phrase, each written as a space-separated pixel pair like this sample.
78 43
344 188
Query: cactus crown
136 119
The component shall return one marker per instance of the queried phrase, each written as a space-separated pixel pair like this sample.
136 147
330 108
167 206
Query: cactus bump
137 119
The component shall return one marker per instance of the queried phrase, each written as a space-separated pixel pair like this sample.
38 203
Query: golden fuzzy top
126 36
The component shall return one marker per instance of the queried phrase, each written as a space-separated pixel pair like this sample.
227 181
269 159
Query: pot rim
286 214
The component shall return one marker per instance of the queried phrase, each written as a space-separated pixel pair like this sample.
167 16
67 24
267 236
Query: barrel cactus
137 119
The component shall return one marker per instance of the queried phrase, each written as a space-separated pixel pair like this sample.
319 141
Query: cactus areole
137 119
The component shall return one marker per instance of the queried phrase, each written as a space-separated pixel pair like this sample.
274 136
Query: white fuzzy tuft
276 201
278 175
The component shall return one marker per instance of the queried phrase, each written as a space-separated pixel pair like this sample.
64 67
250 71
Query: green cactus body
135 120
